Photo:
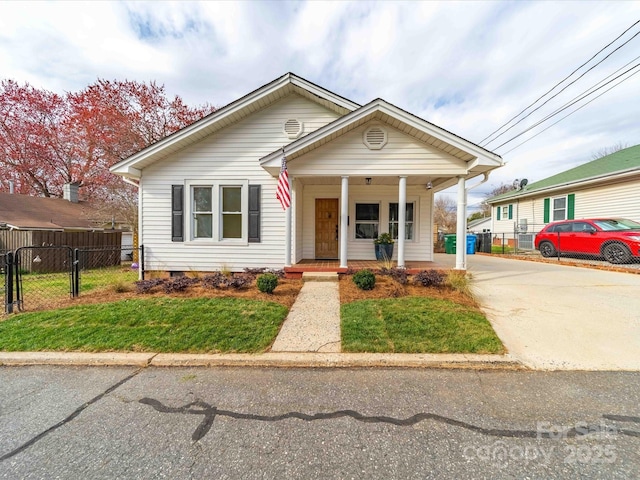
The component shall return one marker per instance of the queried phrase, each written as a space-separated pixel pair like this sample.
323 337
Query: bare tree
444 213
485 208
603 152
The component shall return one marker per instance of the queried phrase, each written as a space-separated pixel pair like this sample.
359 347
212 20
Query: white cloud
466 66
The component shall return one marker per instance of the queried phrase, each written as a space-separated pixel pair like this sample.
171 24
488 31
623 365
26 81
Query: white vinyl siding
348 154
225 157
619 199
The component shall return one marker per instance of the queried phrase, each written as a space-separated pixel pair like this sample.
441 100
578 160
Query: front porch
412 267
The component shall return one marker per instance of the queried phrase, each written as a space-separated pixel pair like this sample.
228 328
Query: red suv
616 239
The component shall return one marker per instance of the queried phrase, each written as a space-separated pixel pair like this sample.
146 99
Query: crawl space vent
293 128
375 137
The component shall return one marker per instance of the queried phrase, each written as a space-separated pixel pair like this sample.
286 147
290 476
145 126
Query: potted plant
383 246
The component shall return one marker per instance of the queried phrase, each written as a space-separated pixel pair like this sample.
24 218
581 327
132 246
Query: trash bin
471 244
483 244
449 244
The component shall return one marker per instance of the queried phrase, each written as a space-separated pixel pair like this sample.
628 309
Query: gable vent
293 128
375 137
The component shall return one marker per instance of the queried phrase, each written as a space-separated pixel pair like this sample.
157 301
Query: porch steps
319 276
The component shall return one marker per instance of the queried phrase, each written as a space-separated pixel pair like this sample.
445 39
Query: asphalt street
228 423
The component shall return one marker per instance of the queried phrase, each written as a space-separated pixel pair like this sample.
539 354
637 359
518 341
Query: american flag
283 192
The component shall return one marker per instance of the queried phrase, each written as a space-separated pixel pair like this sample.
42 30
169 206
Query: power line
573 102
562 90
559 83
569 114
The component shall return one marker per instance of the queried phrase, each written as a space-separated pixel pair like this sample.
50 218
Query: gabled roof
232 113
40 213
617 164
383 111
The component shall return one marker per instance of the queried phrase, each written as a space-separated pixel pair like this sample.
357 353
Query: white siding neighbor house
207 193
606 187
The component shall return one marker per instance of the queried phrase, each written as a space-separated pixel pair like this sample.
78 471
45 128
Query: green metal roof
618 162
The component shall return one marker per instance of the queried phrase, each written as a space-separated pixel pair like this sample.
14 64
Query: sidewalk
313 323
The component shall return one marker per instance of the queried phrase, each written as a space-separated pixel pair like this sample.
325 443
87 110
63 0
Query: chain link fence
38 278
573 242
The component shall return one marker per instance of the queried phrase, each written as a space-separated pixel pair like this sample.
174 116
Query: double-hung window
409 221
202 212
219 211
231 214
559 208
367 220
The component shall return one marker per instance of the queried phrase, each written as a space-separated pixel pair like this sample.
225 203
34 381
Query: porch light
368 180
429 185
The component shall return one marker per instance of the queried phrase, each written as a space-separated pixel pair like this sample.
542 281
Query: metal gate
44 276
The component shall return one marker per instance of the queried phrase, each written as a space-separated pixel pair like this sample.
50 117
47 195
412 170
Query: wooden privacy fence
40 259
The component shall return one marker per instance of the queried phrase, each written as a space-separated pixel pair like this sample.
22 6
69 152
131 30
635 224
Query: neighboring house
28 221
606 187
479 225
207 193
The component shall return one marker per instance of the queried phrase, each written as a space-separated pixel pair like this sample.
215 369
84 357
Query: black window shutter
177 213
254 213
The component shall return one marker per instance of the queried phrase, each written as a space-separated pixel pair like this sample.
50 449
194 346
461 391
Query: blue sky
465 66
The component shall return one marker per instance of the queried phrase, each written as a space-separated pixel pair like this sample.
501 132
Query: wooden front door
326 228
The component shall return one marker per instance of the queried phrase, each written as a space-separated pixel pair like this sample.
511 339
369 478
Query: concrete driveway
561 317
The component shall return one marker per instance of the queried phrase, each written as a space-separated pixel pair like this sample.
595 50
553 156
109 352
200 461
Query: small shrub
179 284
430 278
215 280
240 280
364 279
398 274
459 282
146 286
267 282
120 286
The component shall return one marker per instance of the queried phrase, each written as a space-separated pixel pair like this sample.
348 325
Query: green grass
501 249
56 285
150 325
416 325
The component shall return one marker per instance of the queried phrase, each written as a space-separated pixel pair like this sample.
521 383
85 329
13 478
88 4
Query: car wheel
616 253
547 249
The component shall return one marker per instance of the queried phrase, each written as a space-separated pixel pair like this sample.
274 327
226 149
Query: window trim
216 206
552 208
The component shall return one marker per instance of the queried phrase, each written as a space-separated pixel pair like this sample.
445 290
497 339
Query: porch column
402 213
344 217
461 230
287 228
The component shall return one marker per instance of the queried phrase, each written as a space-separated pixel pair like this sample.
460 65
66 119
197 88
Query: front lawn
193 325
416 325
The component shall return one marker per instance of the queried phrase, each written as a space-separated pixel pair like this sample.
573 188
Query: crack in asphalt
75 413
210 413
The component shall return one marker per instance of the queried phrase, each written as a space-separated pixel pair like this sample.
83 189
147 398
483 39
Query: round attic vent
375 137
293 128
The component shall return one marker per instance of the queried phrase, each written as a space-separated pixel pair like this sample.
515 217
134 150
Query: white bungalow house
606 187
207 193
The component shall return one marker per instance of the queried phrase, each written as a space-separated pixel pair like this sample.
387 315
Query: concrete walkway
313 323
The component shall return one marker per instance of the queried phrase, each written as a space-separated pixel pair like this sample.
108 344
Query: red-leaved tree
47 140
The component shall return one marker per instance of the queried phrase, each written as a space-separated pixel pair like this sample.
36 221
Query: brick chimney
70 191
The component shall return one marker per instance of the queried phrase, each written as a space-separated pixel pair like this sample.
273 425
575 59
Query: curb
270 359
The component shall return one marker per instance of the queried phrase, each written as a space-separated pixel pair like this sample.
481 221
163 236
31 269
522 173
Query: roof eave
122 167
561 186
482 157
